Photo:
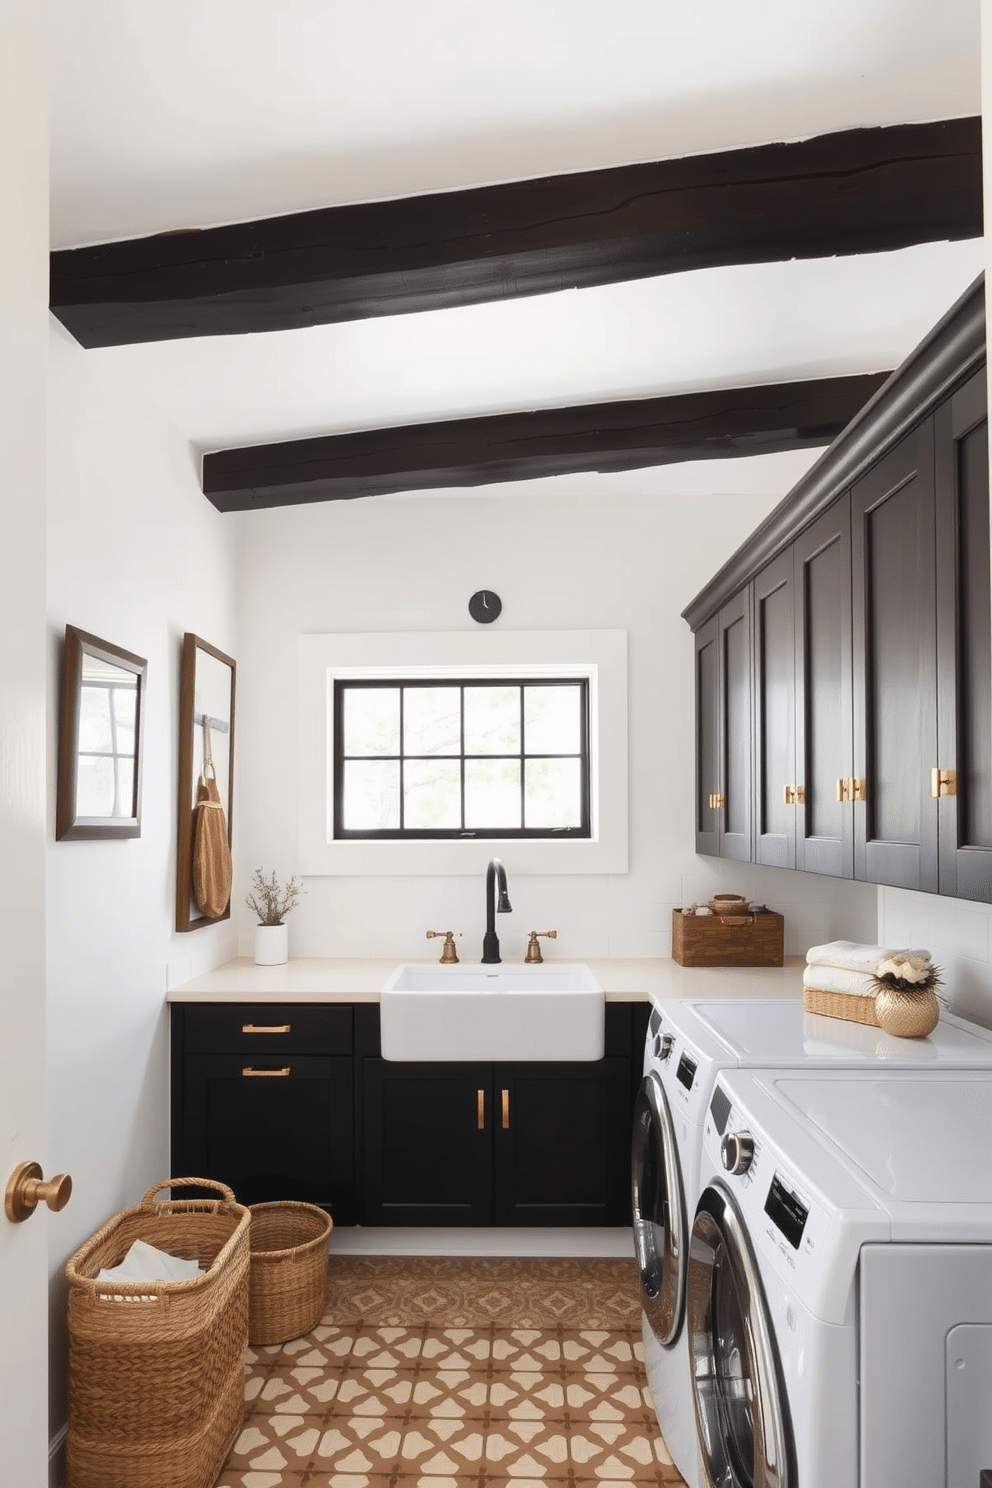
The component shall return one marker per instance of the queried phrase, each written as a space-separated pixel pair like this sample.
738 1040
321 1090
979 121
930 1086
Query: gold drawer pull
506 1110
261 1028
943 783
254 1074
481 1109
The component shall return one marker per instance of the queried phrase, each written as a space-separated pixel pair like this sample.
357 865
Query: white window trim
600 655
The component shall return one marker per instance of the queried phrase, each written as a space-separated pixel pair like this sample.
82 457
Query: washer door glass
658 1204
741 1411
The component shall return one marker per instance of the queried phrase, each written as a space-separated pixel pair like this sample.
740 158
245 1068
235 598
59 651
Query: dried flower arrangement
907 973
270 900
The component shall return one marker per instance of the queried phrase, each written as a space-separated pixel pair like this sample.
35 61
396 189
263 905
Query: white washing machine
839 1281
688 1043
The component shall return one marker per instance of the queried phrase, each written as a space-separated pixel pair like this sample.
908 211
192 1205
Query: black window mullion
523 757
402 760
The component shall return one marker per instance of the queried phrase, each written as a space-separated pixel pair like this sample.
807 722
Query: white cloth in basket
849 955
836 979
144 1262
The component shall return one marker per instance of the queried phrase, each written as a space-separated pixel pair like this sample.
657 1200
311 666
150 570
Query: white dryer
688 1043
839 1280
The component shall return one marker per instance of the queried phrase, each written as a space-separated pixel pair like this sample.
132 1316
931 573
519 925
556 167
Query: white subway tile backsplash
957 933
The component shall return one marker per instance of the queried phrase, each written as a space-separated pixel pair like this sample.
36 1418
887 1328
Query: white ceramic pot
271 945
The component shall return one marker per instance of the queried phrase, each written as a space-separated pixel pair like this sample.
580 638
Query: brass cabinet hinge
943 782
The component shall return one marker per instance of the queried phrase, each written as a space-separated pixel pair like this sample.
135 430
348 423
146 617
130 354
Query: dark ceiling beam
859 191
627 435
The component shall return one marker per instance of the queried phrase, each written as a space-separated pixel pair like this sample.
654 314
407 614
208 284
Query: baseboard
56 1459
518 1241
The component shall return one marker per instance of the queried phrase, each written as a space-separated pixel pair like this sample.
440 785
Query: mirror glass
99 792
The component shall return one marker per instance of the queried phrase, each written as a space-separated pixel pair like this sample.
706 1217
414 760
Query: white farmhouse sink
492 1012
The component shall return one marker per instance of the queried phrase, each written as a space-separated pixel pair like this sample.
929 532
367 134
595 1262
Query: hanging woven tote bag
212 869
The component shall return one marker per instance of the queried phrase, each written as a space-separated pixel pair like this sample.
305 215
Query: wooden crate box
728 940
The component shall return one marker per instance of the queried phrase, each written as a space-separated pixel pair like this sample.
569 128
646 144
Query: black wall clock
485 606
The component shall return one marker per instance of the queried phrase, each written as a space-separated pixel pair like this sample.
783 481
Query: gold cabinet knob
27 1188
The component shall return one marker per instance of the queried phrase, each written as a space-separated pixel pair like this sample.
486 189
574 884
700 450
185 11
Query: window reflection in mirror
99 790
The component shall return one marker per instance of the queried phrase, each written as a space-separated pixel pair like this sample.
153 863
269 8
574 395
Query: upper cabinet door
724 774
737 830
964 804
777 789
895 693
708 770
824 719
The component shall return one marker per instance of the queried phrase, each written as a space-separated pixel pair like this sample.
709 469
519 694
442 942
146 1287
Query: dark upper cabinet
824 694
858 740
775 775
724 793
803 702
964 664
895 665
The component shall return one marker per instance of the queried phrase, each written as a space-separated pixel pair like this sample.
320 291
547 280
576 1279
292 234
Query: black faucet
490 941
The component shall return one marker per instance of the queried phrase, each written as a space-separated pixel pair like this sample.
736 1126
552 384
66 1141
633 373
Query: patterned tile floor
422 1403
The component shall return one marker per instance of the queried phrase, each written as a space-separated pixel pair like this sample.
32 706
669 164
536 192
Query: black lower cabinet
287 1101
561 1140
272 1130
505 1144
428 1143
263 1100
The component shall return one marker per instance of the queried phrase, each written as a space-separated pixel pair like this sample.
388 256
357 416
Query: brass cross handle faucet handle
449 956
533 955
26 1188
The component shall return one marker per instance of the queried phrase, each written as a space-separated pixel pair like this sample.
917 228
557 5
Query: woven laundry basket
847 1005
156 1376
288 1287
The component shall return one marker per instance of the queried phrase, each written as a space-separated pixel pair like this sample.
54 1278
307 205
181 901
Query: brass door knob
26 1189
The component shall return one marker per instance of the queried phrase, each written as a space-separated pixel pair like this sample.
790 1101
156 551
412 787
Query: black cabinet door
272 1128
736 832
562 1137
775 775
964 742
724 775
709 777
427 1143
824 698
895 693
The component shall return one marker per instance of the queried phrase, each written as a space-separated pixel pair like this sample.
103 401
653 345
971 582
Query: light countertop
624 979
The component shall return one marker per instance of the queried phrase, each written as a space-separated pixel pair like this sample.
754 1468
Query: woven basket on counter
846 1005
156 1379
288 1287
903 1014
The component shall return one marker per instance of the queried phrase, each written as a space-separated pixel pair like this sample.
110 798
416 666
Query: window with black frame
433 758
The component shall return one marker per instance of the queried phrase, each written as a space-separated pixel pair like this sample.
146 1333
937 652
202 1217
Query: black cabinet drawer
257 1028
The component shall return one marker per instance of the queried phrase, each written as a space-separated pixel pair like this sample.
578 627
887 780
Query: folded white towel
144 1262
852 956
837 979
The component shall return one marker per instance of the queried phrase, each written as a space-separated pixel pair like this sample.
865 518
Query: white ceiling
206 111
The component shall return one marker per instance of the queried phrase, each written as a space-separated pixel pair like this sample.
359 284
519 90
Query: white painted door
23 344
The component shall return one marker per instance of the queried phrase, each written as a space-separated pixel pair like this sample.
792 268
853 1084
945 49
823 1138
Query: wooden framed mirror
100 739
206 736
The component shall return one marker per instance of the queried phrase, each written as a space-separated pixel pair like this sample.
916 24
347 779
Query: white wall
603 552
23 353
135 556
